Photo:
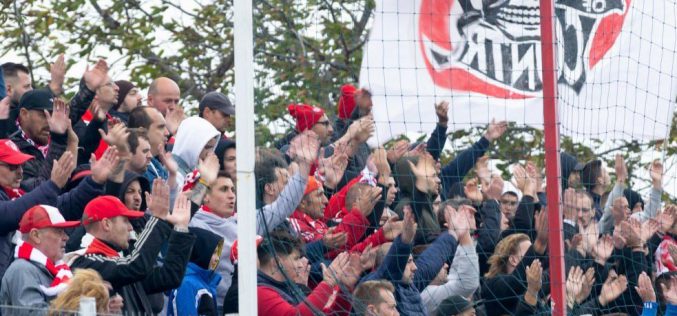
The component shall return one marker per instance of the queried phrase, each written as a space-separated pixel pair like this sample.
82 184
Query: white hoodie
191 137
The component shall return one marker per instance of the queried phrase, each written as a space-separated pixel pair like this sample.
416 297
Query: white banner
617 70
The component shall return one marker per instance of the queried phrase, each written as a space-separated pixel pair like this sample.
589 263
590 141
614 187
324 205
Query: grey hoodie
268 217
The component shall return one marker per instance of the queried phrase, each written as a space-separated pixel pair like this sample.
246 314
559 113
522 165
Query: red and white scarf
663 258
190 180
13 194
43 149
59 270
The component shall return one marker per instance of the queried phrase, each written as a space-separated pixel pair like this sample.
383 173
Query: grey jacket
270 216
21 288
463 279
606 223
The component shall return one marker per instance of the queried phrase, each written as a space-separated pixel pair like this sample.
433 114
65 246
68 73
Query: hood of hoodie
206 243
191 137
143 182
207 276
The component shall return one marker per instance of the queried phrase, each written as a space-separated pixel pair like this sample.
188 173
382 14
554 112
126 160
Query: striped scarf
43 149
59 270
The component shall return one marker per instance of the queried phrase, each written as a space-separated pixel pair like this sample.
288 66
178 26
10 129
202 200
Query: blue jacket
196 282
429 263
3 90
456 170
156 169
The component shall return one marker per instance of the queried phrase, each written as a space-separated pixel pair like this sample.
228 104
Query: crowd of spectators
126 200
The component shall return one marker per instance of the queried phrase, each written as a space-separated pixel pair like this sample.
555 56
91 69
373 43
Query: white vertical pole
244 131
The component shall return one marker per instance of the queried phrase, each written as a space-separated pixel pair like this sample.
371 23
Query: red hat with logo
106 206
233 249
10 153
346 102
44 216
305 115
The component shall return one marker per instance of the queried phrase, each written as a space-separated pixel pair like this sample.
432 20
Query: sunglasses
10 167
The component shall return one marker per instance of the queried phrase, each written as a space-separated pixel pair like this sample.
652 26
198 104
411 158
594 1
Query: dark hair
590 173
369 293
267 160
663 279
278 243
510 193
221 148
11 70
455 203
134 135
139 117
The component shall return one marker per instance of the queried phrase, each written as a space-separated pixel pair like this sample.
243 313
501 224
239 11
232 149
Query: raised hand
603 250
621 169
398 150
495 188
62 169
648 229
418 151
168 161
58 75
495 130
360 130
304 148
667 218
588 282
102 168
97 76
158 200
656 172
613 287
380 158
574 285
332 274
115 304
645 289
369 196
472 191
117 136
208 168
4 108
368 258
534 281
630 230
590 236
174 118
58 121
180 216
442 111
332 168
409 228
520 176
392 228
569 197
482 170
333 239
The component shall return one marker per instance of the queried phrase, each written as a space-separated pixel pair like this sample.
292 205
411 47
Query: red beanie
305 115
346 102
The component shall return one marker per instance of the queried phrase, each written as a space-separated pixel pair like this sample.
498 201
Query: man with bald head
164 95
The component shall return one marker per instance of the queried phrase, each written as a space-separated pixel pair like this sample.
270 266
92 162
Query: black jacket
39 169
135 276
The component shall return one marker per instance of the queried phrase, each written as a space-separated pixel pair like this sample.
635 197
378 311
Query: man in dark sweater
135 276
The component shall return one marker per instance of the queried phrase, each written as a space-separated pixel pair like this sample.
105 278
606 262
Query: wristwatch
181 229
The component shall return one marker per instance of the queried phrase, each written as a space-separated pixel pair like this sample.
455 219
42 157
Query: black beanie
125 86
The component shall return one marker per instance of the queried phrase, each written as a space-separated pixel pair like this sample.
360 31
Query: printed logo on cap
494 49
12 145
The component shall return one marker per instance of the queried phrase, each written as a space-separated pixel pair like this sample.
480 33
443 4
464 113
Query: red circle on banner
434 27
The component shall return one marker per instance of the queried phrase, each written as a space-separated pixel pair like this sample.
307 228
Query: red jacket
354 224
323 298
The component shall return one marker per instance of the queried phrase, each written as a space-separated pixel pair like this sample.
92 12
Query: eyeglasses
10 167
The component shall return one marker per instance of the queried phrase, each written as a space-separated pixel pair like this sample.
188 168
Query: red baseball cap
44 216
10 154
106 206
233 249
